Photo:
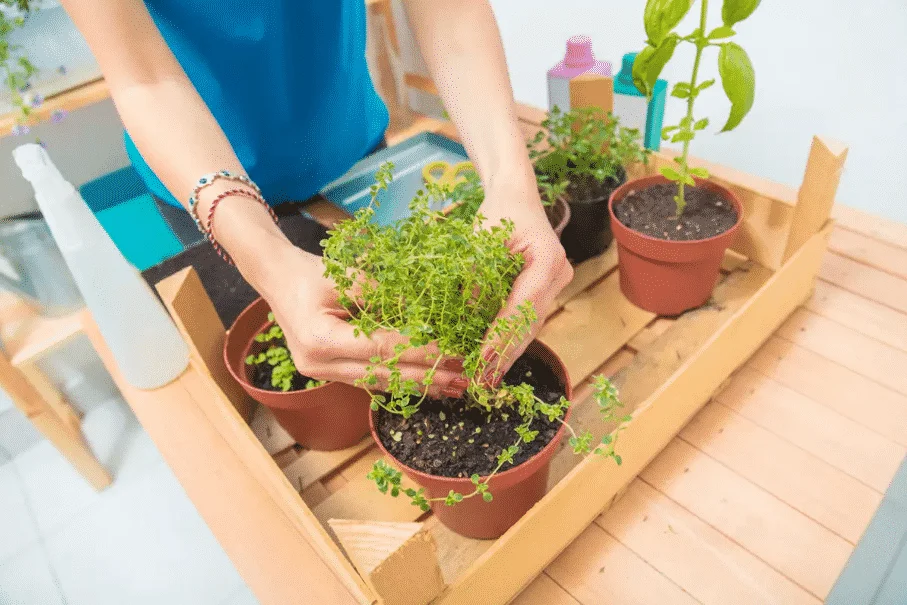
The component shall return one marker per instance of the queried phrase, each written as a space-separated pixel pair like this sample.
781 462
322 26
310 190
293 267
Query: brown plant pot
515 490
558 215
668 277
330 417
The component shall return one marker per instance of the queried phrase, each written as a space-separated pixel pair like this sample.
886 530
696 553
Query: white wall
832 68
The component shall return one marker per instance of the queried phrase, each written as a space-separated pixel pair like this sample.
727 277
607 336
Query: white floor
138 542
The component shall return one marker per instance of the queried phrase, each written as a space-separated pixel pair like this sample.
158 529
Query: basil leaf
670 173
718 33
734 11
648 64
738 80
661 16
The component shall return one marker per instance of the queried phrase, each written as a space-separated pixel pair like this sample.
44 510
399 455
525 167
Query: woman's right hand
322 341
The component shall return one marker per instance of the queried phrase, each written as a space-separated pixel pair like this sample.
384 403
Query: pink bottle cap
579 52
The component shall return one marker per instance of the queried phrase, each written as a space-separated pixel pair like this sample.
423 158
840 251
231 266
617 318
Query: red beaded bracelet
209 231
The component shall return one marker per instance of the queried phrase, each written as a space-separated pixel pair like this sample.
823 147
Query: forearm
462 48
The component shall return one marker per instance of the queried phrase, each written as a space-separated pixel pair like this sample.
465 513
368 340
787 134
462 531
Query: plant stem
701 43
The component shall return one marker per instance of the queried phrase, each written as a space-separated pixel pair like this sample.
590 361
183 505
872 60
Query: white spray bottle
145 343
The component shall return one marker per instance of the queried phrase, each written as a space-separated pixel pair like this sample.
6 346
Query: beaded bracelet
209 232
209 179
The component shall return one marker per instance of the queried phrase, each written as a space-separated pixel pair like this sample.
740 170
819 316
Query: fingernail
459 383
453 365
452 392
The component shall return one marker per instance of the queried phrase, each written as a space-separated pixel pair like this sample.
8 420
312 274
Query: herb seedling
734 67
582 144
439 279
278 357
15 67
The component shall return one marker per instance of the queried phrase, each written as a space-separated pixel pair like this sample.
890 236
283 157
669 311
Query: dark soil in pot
588 233
259 374
653 212
445 439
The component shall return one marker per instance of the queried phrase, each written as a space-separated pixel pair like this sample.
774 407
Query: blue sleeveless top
286 80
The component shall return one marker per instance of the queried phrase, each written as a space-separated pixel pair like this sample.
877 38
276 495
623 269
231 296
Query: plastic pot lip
565 208
545 452
621 231
240 376
621 181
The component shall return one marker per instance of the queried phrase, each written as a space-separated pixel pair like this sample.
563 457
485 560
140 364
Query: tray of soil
318 415
669 263
446 442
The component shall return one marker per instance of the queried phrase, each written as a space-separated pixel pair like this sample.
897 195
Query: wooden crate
308 527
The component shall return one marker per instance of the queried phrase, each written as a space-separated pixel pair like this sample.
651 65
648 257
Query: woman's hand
546 270
322 341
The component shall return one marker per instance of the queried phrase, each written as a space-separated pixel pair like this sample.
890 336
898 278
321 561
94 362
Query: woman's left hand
546 270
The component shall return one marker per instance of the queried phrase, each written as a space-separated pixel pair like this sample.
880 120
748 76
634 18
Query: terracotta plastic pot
667 277
589 232
330 417
559 216
515 490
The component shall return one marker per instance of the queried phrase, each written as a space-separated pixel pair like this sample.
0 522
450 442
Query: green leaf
738 80
701 124
700 172
681 90
661 16
487 497
670 174
648 64
734 11
705 85
723 31
682 137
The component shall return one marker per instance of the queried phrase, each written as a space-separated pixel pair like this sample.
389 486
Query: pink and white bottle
578 60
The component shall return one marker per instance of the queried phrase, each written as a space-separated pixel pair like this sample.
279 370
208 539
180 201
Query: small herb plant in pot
580 157
672 229
318 415
479 461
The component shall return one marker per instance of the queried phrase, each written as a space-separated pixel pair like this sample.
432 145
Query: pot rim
546 451
657 179
242 377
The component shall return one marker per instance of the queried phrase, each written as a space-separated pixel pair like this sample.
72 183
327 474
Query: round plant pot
330 417
558 215
589 233
515 490
669 277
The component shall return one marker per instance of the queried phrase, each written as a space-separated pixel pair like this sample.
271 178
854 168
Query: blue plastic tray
351 191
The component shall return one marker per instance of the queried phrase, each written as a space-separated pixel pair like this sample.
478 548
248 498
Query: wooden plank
817 192
883 363
596 569
821 431
835 386
602 309
455 553
235 485
312 465
592 90
871 225
861 314
650 333
573 503
869 251
765 526
829 496
544 591
865 281
360 499
386 553
587 273
68 100
273 437
197 320
695 556
29 336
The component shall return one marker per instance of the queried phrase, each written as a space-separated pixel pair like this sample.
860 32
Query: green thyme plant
15 67
582 144
441 279
734 67
278 357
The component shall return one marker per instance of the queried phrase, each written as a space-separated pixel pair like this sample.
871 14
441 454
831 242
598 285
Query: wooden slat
792 474
839 441
312 465
871 225
695 556
784 538
861 314
839 388
571 505
597 569
817 192
587 273
883 363
359 499
273 437
69 100
886 257
545 591
455 553
650 333
28 340
866 281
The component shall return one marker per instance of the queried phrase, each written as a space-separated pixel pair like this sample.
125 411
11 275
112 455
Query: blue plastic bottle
632 108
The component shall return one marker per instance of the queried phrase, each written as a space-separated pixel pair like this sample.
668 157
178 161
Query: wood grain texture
312 465
861 314
871 225
865 281
861 248
544 591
